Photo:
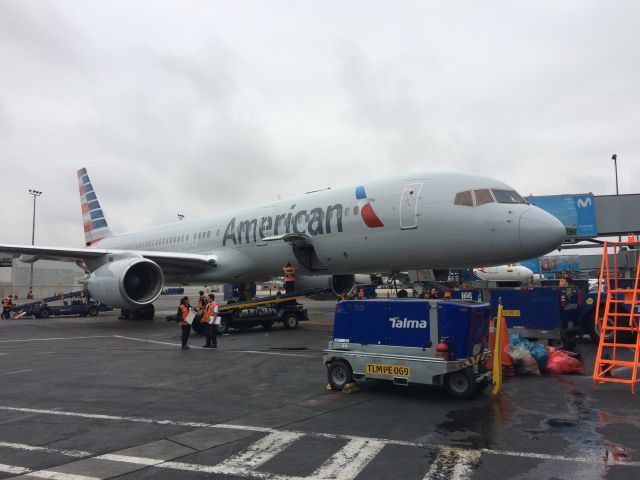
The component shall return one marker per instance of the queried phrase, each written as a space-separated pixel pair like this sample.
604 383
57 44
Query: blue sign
576 212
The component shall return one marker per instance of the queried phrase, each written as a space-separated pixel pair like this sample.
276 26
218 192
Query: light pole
35 194
614 157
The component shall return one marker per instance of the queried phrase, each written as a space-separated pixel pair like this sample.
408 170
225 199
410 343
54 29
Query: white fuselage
422 228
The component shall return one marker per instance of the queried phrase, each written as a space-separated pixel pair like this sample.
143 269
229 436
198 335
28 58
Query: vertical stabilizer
95 223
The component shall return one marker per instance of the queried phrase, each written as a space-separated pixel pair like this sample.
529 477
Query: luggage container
411 341
539 313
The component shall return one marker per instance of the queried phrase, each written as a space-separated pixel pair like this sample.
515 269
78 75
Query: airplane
504 273
436 220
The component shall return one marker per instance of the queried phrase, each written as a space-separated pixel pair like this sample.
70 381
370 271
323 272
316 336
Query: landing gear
144 313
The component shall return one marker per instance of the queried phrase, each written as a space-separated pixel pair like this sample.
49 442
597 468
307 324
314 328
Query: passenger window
483 196
355 210
346 212
507 196
464 198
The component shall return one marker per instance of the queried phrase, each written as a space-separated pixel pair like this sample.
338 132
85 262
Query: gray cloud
199 107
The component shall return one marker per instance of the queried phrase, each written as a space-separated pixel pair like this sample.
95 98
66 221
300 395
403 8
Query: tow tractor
411 341
265 312
80 305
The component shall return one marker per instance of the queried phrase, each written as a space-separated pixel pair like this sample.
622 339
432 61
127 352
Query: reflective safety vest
7 303
563 283
184 311
210 312
289 274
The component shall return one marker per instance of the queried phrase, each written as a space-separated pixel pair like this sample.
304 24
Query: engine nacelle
126 283
337 284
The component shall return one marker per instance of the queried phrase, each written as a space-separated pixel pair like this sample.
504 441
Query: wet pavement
102 398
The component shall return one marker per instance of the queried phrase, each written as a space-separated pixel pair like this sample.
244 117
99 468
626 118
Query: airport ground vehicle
411 341
265 312
80 305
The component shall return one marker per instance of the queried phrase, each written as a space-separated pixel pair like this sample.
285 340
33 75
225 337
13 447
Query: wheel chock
351 388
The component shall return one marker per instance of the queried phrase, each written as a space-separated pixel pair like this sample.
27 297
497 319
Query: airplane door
409 206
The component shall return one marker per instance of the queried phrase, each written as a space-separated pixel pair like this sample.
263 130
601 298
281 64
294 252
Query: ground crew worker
183 314
211 320
289 277
566 280
202 304
7 306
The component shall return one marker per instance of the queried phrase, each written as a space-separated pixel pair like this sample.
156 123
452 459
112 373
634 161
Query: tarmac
99 397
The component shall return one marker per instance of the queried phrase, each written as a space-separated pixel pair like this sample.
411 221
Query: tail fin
95 223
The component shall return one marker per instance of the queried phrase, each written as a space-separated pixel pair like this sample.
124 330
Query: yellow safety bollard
497 354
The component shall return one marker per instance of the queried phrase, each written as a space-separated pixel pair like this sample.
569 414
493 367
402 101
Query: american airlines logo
396 322
316 221
367 213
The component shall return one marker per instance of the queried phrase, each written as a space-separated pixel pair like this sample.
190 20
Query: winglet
95 223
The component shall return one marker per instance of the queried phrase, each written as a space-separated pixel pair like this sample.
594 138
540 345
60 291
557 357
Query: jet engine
337 285
126 283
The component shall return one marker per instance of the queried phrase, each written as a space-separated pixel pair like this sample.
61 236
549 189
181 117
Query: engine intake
336 284
126 283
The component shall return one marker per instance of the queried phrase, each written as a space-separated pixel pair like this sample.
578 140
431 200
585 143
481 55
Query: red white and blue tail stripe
95 223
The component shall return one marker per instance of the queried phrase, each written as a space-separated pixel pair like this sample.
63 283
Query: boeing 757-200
421 220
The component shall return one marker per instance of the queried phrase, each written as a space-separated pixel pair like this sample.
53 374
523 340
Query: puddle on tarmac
476 428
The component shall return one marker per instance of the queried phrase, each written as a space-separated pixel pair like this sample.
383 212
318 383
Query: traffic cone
508 367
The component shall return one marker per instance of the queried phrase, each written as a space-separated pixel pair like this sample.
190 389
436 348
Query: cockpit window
507 196
464 198
483 196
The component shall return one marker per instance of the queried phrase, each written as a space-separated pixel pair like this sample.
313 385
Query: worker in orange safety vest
212 320
289 277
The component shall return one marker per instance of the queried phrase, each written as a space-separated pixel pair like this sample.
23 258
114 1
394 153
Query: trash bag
524 361
562 362
538 351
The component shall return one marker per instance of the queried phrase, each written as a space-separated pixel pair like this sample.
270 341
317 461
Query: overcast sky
197 107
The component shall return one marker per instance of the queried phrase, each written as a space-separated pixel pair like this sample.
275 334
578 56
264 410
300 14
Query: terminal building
49 277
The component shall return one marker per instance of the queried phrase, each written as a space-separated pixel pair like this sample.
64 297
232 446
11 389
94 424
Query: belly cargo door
409 206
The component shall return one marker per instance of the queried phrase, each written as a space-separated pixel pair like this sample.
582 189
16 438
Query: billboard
553 264
576 212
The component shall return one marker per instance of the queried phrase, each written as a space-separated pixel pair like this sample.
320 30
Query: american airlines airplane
419 220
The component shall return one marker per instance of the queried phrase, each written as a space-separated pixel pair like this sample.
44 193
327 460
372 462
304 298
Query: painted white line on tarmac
13 470
16 371
453 464
281 354
53 339
175 344
34 448
130 459
133 419
258 453
257 352
50 474
349 461
507 453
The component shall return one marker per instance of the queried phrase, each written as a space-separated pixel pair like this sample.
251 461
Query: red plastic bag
562 362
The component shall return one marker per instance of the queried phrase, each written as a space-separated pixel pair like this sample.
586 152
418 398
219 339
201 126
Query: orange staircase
620 324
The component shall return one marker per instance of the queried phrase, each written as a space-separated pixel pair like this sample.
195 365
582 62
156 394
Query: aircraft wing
169 262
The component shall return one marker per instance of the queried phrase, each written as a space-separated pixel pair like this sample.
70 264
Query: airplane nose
540 232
